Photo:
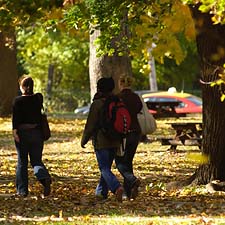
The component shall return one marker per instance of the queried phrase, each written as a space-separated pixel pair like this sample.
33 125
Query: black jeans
125 163
31 143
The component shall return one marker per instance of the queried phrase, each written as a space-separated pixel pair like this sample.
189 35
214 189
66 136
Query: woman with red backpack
105 147
124 163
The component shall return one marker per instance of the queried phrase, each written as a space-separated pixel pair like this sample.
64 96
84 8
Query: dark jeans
31 143
108 180
125 163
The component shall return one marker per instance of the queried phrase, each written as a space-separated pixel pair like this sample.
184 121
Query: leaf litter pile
75 175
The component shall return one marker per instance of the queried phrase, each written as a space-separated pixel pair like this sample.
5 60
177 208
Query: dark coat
91 130
134 106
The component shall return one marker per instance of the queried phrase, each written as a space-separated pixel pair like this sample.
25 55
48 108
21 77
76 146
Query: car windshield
195 100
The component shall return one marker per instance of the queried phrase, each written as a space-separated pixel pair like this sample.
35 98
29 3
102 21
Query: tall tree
12 15
211 48
109 55
108 65
128 27
8 71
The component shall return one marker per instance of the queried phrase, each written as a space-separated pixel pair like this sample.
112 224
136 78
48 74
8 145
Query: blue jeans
125 163
108 181
31 143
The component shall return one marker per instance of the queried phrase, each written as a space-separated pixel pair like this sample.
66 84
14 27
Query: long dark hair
27 84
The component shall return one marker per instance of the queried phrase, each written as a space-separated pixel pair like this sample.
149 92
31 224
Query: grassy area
75 176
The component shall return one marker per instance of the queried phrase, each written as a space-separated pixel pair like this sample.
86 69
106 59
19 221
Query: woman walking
125 163
104 146
28 137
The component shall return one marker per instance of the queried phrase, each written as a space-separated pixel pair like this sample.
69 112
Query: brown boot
119 194
134 189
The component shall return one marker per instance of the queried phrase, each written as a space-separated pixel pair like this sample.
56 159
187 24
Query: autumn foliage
75 176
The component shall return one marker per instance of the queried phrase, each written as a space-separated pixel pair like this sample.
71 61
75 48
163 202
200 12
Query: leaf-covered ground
75 175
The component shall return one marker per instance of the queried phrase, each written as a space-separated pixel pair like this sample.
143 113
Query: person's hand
83 142
16 136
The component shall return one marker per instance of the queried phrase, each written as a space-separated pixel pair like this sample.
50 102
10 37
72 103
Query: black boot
47 186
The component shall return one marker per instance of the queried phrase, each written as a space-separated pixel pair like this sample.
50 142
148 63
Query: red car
182 103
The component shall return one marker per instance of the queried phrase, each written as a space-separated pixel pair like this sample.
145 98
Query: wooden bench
174 143
187 133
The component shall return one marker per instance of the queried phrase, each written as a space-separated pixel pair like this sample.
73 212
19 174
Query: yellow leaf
145 18
198 158
222 97
222 76
140 31
55 13
217 82
60 214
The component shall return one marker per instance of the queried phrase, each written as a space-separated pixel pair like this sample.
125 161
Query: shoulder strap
40 99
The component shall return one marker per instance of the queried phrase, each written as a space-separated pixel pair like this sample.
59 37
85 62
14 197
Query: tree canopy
18 13
160 22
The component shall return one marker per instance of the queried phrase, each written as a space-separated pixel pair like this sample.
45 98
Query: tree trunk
211 49
108 66
152 75
8 72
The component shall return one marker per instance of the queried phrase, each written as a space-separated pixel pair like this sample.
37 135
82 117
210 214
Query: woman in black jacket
28 137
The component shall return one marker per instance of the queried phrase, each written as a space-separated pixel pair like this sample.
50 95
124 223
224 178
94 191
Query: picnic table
186 133
164 108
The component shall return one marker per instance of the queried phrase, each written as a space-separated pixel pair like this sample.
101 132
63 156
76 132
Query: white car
84 110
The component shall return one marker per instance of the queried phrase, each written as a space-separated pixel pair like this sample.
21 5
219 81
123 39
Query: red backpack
115 119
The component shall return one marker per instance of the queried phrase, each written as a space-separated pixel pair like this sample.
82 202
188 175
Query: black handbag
44 123
45 127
